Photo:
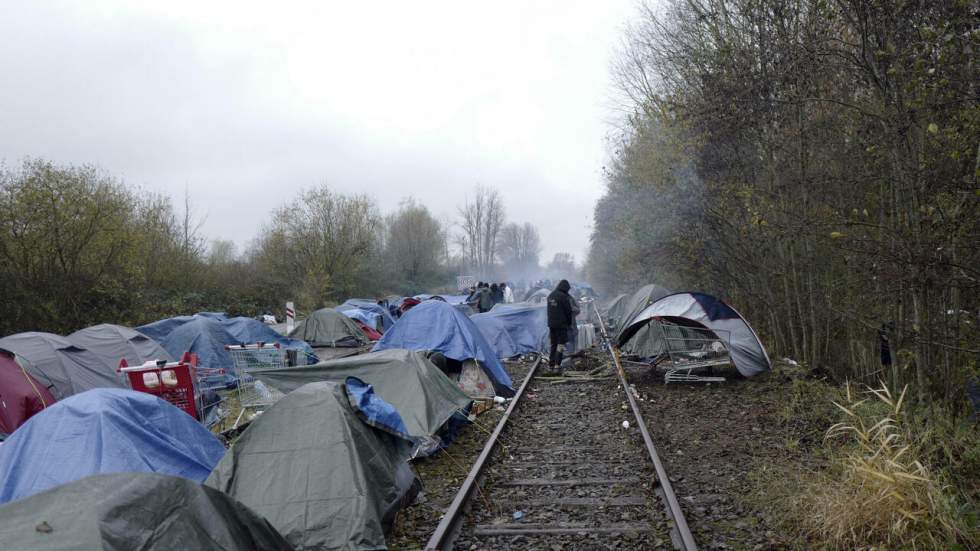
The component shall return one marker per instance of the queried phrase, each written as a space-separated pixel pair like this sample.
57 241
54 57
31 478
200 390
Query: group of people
485 295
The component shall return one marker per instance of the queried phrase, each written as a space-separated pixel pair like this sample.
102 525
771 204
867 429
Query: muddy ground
717 442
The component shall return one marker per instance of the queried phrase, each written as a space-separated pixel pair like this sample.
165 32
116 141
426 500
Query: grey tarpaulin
112 343
643 297
125 511
319 473
424 396
61 366
328 327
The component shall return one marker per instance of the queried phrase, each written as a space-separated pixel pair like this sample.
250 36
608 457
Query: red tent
21 396
371 333
408 303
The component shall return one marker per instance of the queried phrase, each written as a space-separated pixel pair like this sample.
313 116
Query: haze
246 104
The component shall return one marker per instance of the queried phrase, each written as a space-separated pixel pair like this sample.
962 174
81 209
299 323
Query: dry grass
877 493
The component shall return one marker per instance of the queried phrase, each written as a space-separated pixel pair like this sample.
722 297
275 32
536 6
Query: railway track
560 471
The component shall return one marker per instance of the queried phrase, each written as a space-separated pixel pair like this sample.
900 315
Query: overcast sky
247 104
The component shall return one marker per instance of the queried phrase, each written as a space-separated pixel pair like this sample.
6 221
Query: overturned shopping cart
252 393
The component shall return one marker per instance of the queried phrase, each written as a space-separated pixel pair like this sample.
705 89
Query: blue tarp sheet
370 306
373 409
205 337
514 329
104 430
451 299
436 325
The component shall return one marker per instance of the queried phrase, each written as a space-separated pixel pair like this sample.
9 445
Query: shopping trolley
176 382
252 393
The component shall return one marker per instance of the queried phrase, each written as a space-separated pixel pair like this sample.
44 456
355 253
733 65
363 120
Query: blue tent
158 330
436 325
514 329
104 430
373 312
205 337
248 330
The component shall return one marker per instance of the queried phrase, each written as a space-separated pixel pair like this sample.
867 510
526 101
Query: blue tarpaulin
374 410
205 337
436 325
105 430
514 329
380 312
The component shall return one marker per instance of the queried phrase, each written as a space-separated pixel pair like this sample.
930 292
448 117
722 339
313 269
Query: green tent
422 394
649 344
146 511
613 310
328 327
324 465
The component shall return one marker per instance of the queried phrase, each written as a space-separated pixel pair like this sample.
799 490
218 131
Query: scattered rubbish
499 400
518 515
626 424
44 527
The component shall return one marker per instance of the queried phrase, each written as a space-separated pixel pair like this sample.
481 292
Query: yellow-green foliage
879 491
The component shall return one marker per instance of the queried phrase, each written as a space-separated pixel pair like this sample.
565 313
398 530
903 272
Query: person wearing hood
561 317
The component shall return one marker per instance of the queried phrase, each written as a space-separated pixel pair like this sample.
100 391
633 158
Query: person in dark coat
560 318
495 293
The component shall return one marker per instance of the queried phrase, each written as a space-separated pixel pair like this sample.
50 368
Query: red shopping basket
172 381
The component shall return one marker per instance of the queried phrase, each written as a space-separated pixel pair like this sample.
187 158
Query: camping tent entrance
681 347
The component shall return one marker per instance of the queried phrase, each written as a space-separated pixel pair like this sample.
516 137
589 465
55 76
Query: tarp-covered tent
537 296
205 337
514 329
423 395
329 328
112 343
369 312
747 352
145 511
436 325
158 330
326 465
21 396
106 430
62 367
248 331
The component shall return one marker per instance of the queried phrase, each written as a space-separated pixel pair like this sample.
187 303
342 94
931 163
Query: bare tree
415 248
481 221
520 245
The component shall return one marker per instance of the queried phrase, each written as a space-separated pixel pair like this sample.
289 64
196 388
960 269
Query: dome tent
145 511
702 310
514 329
104 430
327 327
326 465
21 396
112 343
437 326
63 367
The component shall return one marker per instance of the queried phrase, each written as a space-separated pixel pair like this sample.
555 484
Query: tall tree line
79 247
815 162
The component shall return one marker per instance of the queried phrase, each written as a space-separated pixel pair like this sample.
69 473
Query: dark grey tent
318 471
328 327
643 297
422 394
145 511
613 310
61 366
112 343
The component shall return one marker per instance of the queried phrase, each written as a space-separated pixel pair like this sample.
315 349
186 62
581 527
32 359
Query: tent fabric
514 329
423 395
158 330
643 297
451 299
438 326
380 313
62 367
205 337
747 353
327 327
145 511
614 309
21 396
112 343
313 467
105 430
536 296
371 334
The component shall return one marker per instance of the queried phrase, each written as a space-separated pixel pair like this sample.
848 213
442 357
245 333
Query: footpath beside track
561 471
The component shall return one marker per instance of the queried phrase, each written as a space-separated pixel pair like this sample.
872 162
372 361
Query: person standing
508 293
485 299
560 318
